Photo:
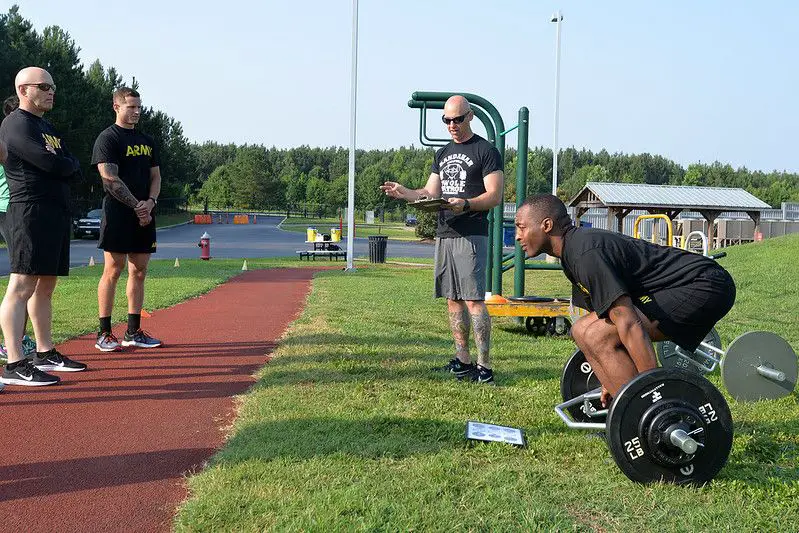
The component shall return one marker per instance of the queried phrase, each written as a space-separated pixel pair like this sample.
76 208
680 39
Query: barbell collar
770 373
683 441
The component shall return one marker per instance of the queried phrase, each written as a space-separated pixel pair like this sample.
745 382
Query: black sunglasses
456 120
41 86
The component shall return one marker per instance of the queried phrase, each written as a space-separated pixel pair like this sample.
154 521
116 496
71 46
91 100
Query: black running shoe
479 374
24 373
462 370
53 361
449 366
140 339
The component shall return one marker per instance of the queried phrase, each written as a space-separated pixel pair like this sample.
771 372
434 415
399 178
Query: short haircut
548 206
123 92
10 104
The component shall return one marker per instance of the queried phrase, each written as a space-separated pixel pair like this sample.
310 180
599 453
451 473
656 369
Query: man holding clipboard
467 173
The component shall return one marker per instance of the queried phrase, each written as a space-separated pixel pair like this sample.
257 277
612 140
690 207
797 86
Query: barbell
758 365
665 424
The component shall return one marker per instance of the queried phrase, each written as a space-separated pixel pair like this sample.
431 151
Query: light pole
557 18
353 114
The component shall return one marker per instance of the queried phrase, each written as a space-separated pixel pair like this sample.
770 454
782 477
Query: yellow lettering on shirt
138 150
580 286
55 142
645 299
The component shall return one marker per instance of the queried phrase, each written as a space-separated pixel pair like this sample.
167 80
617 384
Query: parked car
88 225
410 220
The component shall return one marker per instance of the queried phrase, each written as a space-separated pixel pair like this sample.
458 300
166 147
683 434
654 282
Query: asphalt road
263 239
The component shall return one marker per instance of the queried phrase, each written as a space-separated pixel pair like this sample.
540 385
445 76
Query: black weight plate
669 388
577 379
670 357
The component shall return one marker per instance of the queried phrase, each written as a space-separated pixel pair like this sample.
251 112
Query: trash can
509 236
377 248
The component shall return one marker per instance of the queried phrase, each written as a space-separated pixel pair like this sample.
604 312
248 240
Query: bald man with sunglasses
38 170
467 172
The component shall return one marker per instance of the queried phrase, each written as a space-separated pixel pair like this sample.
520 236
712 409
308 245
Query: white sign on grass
493 433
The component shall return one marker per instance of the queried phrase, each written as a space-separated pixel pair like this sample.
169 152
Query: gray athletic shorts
460 267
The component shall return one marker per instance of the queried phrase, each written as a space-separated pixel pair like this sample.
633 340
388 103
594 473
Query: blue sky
692 81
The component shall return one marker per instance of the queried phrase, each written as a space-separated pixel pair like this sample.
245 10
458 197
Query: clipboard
430 204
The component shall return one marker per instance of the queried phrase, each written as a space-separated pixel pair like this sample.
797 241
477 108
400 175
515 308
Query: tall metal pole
353 107
557 18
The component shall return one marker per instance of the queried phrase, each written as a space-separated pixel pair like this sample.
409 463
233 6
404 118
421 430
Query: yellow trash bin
311 235
335 234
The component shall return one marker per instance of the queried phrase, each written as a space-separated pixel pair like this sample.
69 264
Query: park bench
330 254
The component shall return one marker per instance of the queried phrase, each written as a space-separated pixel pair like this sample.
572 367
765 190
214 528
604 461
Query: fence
731 228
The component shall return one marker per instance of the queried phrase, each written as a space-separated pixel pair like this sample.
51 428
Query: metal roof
668 196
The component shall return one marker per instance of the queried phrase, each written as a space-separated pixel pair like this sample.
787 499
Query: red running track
108 448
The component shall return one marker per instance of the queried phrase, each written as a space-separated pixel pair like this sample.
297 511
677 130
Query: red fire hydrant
205 247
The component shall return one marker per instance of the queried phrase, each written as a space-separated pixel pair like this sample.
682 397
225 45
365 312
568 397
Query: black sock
105 324
134 323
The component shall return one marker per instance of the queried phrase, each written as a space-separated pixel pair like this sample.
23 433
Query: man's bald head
458 116
32 98
456 105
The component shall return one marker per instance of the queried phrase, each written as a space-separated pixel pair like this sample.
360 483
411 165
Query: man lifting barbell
637 292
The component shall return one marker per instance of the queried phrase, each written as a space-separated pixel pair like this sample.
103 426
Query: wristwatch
466 205
155 202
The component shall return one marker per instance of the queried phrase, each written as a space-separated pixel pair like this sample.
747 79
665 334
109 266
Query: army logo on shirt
55 142
582 288
138 149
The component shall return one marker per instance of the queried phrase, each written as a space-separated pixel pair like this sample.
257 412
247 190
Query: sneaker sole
56 368
26 383
114 349
140 344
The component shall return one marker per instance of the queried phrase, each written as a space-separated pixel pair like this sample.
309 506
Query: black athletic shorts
38 239
120 232
686 314
3 230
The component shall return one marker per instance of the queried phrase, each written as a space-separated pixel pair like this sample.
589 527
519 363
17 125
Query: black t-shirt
462 167
34 174
604 265
134 153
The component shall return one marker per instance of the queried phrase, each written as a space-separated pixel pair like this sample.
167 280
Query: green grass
394 230
75 298
349 429
172 219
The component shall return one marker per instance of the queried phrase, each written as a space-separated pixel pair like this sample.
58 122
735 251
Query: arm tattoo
115 186
459 323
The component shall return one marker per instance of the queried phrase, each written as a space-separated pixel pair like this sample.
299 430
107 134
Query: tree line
256 177
252 176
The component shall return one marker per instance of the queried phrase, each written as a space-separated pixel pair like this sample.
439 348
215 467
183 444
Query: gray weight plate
739 368
671 356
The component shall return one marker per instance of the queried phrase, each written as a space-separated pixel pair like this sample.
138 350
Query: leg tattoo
481 323
459 323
